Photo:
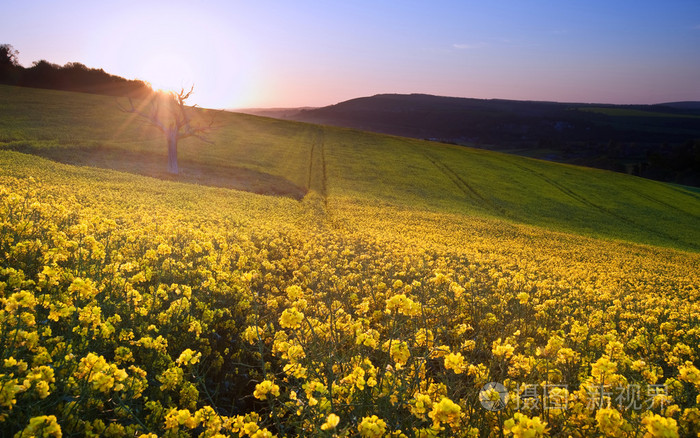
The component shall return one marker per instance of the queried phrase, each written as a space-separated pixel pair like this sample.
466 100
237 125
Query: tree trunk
172 152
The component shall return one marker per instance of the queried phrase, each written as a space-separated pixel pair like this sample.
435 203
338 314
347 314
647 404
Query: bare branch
198 131
182 96
152 118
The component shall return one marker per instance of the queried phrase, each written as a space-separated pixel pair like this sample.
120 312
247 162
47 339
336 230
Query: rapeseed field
132 306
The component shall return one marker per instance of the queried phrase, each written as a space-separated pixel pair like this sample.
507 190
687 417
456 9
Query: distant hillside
655 141
275 113
684 105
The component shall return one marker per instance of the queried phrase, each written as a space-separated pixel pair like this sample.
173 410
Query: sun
168 70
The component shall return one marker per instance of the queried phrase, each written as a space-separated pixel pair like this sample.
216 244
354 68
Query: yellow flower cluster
125 315
611 423
522 426
398 350
188 357
454 362
291 318
265 388
43 426
445 411
658 426
332 422
402 305
103 377
372 427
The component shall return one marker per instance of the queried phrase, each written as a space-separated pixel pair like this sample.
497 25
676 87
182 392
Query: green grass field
346 166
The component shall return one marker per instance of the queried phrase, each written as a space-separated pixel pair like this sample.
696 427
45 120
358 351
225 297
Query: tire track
665 204
317 179
466 188
324 176
686 192
597 207
311 164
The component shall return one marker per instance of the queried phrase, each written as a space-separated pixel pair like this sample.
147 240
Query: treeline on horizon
72 76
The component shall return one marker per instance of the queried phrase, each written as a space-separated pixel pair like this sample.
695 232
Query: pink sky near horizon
312 53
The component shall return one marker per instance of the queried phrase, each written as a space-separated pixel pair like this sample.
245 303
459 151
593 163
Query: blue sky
312 53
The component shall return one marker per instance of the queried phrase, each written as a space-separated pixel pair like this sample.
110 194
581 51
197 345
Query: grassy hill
653 141
372 285
346 166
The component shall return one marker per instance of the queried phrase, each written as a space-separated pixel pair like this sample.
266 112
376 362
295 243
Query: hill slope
350 167
507 121
653 141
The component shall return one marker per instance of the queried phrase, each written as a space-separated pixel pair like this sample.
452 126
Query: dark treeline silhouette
70 77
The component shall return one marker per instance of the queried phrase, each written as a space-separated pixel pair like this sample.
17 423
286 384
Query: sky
261 53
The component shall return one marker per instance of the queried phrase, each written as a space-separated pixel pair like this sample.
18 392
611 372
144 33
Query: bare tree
168 113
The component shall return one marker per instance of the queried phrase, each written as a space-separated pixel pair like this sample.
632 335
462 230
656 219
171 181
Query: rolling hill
305 280
281 157
653 141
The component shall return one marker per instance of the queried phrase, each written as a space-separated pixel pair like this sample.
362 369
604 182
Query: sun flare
168 71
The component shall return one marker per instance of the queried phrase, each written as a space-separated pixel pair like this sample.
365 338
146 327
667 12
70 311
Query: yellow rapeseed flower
264 388
610 423
398 350
602 369
294 292
445 411
291 318
331 422
661 427
522 426
43 426
501 350
372 427
689 373
188 357
454 362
